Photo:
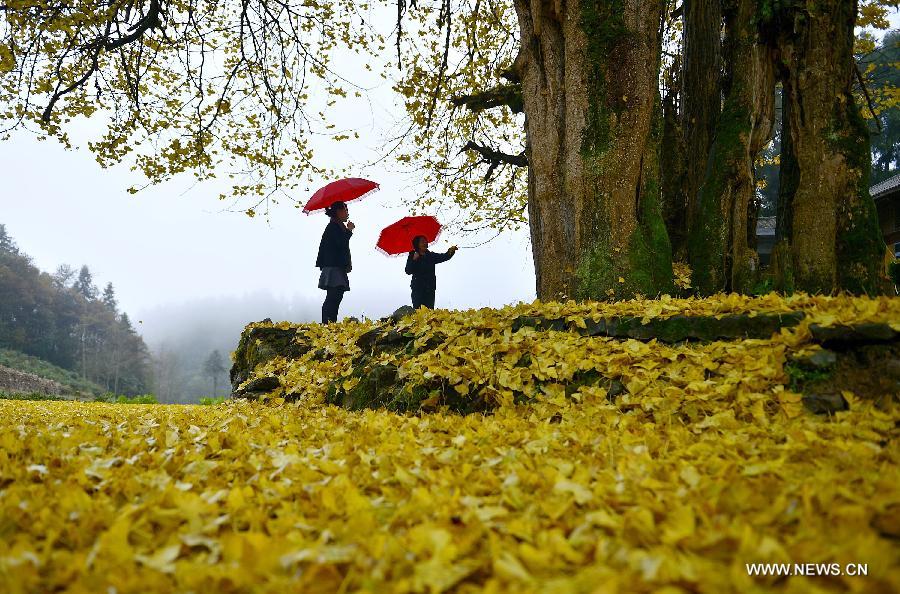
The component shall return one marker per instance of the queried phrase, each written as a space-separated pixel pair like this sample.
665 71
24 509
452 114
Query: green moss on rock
261 344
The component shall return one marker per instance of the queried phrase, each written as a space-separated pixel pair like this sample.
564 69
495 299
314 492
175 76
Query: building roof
888 186
765 226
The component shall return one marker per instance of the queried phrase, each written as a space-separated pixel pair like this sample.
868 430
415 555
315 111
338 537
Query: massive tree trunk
721 236
702 91
589 81
835 241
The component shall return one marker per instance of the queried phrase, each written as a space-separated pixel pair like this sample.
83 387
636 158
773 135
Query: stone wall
13 381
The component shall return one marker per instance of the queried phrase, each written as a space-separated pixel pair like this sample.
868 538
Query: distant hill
65 319
71 381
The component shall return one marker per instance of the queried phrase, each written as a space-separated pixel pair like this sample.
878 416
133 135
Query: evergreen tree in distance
214 367
85 284
6 242
109 297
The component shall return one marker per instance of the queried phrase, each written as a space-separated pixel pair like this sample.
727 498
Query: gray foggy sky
165 245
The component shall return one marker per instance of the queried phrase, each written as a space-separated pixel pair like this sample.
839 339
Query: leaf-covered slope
636 353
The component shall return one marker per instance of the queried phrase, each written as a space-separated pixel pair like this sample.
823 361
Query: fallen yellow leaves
479 356
705 464
546 497
681 275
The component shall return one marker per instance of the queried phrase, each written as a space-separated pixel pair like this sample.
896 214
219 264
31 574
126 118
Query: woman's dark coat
422 270
334 249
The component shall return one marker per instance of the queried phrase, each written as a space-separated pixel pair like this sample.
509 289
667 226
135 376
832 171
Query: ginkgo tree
727 63
558 110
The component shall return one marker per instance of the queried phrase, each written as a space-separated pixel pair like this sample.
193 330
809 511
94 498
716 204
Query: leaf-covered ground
706 464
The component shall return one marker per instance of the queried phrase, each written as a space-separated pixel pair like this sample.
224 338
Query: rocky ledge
821 362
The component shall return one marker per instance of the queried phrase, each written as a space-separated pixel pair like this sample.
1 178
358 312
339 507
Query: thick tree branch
514 73
149 21
495 158
489 155
504 95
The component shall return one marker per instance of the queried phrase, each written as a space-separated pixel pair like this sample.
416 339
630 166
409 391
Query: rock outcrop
830 359
13 381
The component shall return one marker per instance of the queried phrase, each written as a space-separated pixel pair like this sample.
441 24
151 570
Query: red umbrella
343 190
397 238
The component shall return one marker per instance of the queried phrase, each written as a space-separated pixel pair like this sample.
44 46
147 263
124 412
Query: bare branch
444 18
865 89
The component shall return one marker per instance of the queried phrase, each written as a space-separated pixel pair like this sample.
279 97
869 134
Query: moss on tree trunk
589 78
720 244
834 238
672 160
860 248
702 93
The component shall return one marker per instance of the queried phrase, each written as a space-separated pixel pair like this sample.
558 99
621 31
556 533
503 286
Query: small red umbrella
397 238
343 190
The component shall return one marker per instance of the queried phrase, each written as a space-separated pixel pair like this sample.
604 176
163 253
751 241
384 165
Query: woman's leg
327 307
429 299
333 298
416 298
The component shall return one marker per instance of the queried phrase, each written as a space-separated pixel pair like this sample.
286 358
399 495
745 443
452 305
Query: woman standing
420 264
334 260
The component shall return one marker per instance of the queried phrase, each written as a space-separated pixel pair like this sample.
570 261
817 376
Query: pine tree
84 286
6 242
214 367
109 297
883 81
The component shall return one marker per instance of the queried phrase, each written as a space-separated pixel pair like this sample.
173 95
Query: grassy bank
72 381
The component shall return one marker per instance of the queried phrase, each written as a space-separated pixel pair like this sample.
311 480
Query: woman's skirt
334 277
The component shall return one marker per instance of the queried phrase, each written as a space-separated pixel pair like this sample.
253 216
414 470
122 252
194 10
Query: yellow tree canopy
241 88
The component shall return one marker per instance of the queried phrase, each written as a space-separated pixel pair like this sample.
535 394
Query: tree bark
672 164
835 240
788 177
589 82
721 239
702 92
